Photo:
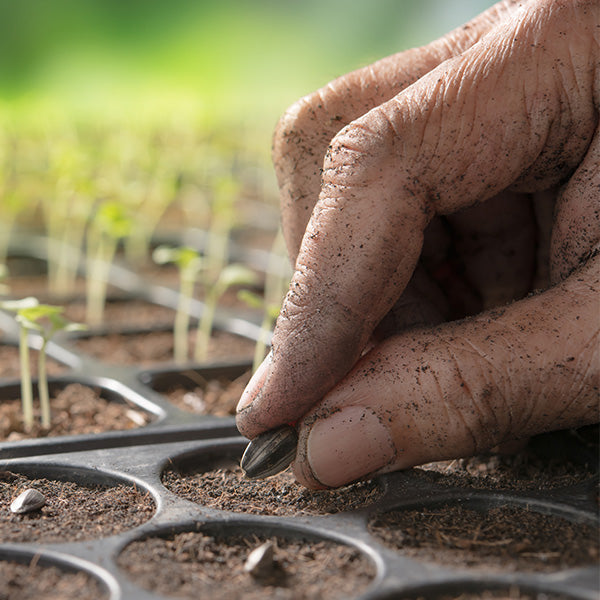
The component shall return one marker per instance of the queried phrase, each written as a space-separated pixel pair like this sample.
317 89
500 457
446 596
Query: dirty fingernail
348 445
256 382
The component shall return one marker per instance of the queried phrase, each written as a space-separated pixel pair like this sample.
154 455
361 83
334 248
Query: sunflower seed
261 560
270 452
28 501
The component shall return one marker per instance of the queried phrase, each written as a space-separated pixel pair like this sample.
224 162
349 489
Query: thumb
461 388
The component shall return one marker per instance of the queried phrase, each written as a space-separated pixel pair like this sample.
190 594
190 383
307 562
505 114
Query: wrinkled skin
423 199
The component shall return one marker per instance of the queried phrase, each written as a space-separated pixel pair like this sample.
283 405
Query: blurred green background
234 60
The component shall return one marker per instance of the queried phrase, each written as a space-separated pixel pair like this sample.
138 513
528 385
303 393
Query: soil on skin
33 581
228 489
218 397
196 565
505 538
76 409
73 511
153 348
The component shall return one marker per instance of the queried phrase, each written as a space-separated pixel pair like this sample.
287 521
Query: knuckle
354 154
475 396
306 127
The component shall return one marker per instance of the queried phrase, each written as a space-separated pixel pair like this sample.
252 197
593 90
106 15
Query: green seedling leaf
235 274
112 219
112 223
184 257
47 319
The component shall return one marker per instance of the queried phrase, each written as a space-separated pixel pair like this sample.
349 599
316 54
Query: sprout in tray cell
44 320
276 285
66 206
192 268
231 275
111 224
226 190
189 263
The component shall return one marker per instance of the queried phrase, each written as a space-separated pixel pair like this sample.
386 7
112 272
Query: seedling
230 275
110 225
67 207
46 320
276 285
192 268
149 198
189 263
225 192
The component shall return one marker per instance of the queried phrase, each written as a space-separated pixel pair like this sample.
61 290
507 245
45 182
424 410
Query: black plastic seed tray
140 456
396 576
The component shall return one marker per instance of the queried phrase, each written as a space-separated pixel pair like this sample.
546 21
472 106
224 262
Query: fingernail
348 445
255 384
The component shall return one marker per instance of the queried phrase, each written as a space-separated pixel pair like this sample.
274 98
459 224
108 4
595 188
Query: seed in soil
502 538
270 453
28 501
200 565
73 511
261 561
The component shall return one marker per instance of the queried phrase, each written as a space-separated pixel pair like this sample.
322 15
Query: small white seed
261 560
28 501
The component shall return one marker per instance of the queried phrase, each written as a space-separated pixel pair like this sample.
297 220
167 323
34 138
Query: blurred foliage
229 55
151 102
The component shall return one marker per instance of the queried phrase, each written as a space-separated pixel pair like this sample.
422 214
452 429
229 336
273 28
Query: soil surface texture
156 347
75 409
35 582
73 512
218 397
10 364
504 538
196 565
549 461
228 489
511 593
120 312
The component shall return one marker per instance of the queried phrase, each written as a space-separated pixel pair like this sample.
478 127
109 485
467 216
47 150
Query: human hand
466 175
